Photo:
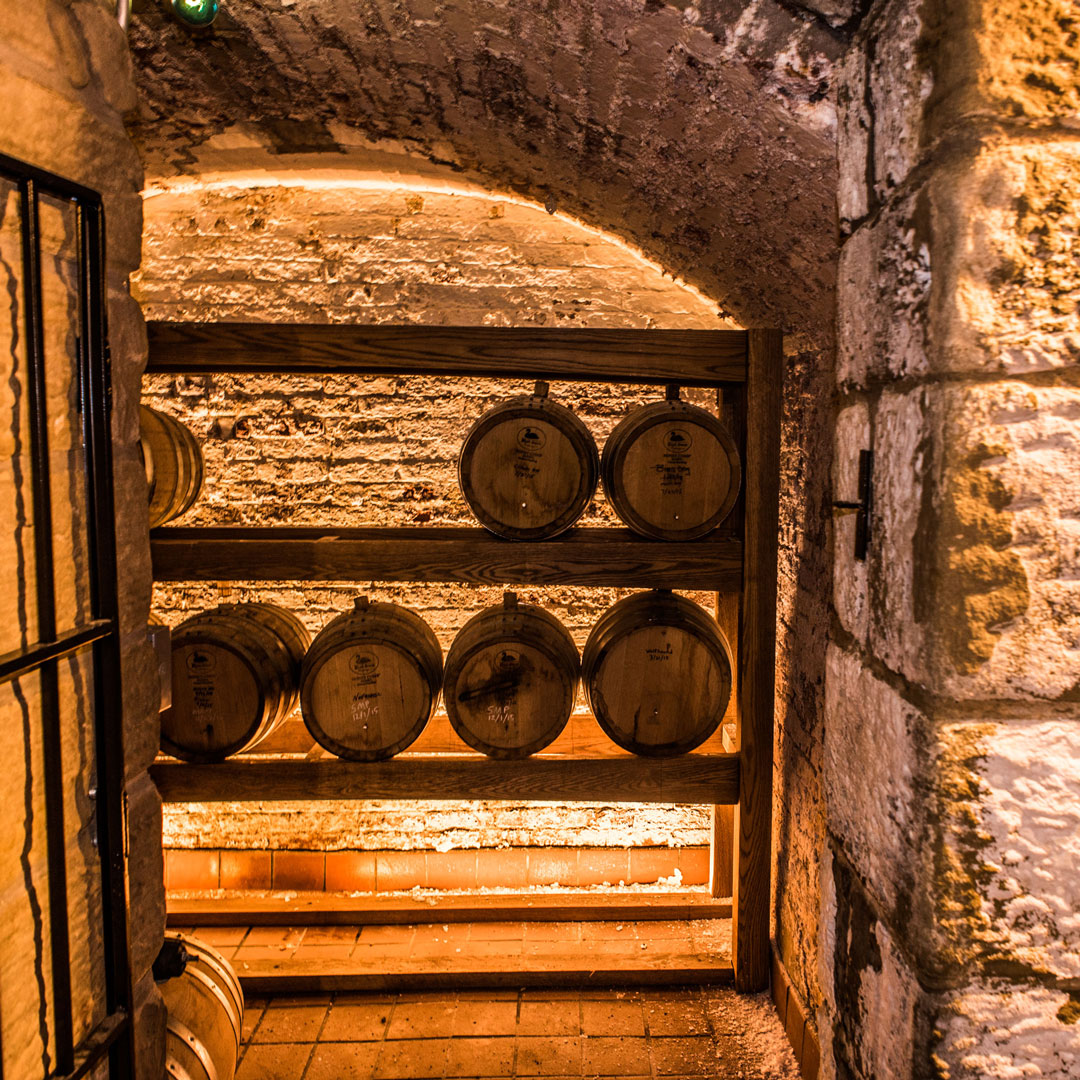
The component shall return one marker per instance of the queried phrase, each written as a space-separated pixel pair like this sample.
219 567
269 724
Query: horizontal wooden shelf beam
687 357
690 778
309 977
604 557
333 909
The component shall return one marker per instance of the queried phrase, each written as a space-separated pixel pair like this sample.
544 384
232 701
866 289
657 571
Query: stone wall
65 74
383 451
951 889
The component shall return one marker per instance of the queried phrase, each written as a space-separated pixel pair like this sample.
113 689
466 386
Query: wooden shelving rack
739 562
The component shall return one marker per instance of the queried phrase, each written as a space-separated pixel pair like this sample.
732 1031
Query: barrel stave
511 679
205 1015
370 682
657 674
528 468
671 471
235 678
173 462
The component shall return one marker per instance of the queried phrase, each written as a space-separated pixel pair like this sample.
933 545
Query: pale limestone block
1006 285
146 875
900 83
906 427
1009 609
850 578
1029 805
884 287
876 784
149 1017
853 137
105 45
995 1030
869 1023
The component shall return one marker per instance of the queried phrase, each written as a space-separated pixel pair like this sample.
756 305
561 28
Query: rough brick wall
951 891
334 450
66 79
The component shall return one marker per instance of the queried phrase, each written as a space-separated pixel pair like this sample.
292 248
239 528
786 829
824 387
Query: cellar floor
627 1033
482 954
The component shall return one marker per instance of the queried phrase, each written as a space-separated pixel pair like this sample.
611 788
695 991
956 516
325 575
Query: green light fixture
195 12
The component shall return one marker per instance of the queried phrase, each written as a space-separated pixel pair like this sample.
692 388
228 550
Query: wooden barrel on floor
511 678
528 468
235 677
370 681
174 465
657 674
205 1015
671 470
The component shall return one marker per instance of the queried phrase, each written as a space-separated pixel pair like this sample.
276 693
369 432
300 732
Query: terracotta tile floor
658 1034
437 943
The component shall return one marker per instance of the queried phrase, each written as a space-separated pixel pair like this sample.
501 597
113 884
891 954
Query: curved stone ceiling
702 133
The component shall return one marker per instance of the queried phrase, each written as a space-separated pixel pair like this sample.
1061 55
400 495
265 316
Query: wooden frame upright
738 561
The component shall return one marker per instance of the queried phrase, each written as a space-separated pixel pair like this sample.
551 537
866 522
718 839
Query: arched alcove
702 135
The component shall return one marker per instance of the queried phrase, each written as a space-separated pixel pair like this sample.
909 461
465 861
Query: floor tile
480 1057
485 1018
290 1024
411 1059
615 1057
262 1062
547 1056
676 1018
422 1020
343 1061
331 935
612 1018
683 1057
253 1011
550 1018
356 1023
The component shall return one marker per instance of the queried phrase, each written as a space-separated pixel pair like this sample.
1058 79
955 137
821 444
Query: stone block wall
949 931
383 451
65 74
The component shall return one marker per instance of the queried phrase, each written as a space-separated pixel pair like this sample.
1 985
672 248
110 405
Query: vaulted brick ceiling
701 132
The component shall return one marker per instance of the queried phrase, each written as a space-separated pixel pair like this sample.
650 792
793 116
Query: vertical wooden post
721 851
757 658
722 847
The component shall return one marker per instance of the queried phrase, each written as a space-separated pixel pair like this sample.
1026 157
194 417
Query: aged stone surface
147 875
871 1022
608 109
995 1029
365 825
1029 776
65 75
850 591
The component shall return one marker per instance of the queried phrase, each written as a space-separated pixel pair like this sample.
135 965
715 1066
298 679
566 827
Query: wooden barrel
174 465
370 681
235 677
205 1015
528 468
671 470
511 679
657 674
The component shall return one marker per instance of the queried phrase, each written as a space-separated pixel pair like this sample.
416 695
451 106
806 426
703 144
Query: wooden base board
300 977
329 909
